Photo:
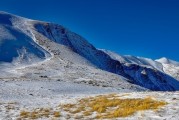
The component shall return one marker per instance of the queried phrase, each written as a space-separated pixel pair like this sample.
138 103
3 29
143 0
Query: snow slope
170 67
153 79
17 96
128 59
17 46
72 56
164 65
167 61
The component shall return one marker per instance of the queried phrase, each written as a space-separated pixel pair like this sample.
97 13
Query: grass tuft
39 113
56 114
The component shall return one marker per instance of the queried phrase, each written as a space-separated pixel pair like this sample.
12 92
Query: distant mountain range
25 42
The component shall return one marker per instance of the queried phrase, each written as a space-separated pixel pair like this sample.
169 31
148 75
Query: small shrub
87 113
56 114
24 114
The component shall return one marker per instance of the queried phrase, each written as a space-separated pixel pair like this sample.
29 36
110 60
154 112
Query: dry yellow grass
104 106
39 113
56 114
24 114
87 113
111 106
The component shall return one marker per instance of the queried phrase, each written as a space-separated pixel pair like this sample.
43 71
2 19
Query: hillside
49 72
29 42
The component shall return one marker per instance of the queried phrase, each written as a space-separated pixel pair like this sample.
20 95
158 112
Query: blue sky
148 28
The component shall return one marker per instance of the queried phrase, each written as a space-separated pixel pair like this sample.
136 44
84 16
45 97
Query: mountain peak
165 60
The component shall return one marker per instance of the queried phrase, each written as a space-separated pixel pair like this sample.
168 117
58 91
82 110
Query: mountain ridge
45 36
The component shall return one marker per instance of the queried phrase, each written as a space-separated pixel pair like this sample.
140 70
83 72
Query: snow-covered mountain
170 67
164 65
55 52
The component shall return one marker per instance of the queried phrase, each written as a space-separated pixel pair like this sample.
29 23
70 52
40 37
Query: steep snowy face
141 71
78 44
170 67
151 78
164 65
147 72
16 46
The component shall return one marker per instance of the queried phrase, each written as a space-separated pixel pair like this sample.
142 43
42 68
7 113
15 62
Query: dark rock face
152 79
